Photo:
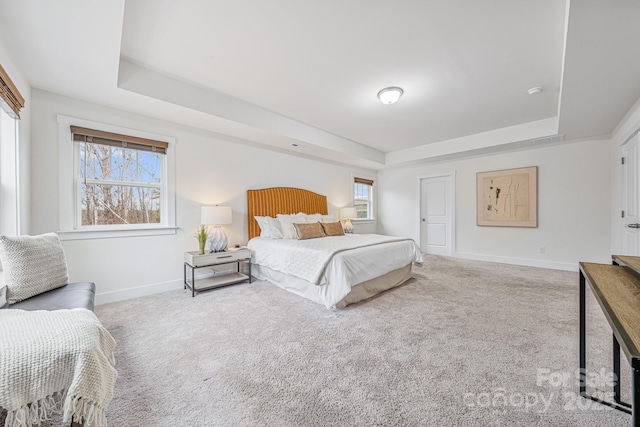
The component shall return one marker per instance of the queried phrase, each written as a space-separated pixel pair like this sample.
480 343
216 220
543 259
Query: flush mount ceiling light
390 95
534 90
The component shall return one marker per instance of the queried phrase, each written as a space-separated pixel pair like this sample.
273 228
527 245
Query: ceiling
288 72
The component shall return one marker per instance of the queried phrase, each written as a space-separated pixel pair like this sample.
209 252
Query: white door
630 199
436 215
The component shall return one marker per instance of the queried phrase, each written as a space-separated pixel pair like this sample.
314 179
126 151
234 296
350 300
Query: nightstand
193 261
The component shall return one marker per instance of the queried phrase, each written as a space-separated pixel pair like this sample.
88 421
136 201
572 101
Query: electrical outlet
542 249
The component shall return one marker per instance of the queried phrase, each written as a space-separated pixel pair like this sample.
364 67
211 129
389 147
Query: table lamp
216 216
347 214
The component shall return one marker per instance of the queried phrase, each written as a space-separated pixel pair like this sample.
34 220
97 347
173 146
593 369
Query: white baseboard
155 288
554 265
141 291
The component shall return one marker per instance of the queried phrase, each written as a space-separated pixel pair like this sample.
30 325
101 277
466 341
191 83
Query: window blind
10 98
363 181
117 140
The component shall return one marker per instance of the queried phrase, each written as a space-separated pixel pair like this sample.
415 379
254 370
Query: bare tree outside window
119 185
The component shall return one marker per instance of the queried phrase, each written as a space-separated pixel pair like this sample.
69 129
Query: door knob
423 220
636 225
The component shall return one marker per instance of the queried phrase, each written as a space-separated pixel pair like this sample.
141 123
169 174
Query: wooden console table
617 290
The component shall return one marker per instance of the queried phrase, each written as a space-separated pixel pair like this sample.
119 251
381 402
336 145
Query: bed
333 271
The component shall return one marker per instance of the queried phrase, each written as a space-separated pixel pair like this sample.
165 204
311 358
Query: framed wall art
508 198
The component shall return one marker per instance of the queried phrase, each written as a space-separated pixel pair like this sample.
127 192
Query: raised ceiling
285 71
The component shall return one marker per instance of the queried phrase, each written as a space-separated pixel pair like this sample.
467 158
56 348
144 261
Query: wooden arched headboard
281 200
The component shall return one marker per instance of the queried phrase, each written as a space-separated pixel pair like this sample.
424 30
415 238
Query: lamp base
217 240
347 227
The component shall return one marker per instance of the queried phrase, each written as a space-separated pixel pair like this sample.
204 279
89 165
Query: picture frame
508 198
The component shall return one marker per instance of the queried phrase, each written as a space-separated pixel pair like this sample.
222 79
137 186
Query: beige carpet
463 343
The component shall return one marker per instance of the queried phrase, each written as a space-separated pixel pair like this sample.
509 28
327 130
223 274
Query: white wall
24 145
573 206
210 169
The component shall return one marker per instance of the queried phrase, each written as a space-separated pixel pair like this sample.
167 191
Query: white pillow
313 218
330 218
287 221
32 265
265 228
275 228
269 227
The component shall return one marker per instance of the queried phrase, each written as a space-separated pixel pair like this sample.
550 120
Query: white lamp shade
348 213
215 215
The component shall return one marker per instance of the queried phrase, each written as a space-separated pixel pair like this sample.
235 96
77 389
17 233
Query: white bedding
335 263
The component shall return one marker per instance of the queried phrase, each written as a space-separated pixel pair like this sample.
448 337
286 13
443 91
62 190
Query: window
11 102
9 190
119 178
363 197
121 181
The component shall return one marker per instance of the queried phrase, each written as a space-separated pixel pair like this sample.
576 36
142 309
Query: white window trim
69 230
374 206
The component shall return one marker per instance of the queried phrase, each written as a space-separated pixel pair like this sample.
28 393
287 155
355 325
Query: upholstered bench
72 295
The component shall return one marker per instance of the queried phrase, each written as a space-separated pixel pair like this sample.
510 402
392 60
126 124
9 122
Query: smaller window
363 197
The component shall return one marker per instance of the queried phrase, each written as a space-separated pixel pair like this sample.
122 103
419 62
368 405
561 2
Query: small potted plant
202 233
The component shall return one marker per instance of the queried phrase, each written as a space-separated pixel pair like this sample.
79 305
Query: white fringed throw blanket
52 362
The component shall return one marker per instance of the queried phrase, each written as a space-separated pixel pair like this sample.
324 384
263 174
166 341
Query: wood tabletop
617 290
633 262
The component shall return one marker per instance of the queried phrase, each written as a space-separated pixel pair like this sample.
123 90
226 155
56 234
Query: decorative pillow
265 228
330 218
309 231
269 227
286 223
313 218
32 265
332 228
3 295
276 229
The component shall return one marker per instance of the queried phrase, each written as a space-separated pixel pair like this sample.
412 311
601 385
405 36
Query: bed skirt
308 290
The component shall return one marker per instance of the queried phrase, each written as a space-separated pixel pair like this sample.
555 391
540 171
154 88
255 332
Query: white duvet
337 262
